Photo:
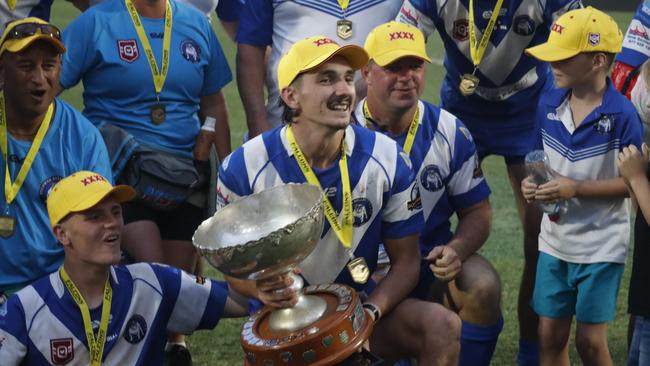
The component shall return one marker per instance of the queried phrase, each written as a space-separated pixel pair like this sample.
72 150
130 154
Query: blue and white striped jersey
281 23
381 179
42 325
591 230
636 44
510 81
448 175
24 9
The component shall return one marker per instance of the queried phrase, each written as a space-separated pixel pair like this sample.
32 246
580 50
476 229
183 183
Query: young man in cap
584 124
42 140
449 181
318 145
92 311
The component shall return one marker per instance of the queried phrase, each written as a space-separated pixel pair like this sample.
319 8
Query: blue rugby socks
528 353
477 343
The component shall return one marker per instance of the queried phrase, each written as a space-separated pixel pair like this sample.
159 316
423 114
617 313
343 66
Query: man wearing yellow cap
449 181
42 140
92 311
369 187
584 124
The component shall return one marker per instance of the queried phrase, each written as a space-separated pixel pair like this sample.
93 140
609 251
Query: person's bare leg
554 341
141 240
591 342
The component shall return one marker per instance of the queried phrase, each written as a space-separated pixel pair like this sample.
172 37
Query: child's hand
557 189
528 189
632 164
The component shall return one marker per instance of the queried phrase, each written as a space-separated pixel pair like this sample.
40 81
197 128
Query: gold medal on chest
158 113
468 84
344 29
359 270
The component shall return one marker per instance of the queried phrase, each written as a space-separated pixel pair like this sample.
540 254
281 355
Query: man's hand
557 189
632 163
444 263
276 291
528 189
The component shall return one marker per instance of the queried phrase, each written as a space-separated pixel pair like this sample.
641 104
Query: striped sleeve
13 332
416 13
233 179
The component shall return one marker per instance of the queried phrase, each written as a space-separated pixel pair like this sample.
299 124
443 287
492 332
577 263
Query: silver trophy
264 235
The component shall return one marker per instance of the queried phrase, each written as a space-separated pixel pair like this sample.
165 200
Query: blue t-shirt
381 179
105 53
229 10
448 176
636 44
71 144
42 325
510 81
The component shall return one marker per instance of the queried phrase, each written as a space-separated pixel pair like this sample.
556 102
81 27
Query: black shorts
178 224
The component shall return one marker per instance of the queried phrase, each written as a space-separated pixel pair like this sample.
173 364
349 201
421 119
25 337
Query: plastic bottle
537 166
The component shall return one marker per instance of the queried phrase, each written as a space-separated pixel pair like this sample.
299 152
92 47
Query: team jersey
381 179
42 324
591 230
636 44
510 81
24 9
281 23
229 10
448 176
71 144
105 53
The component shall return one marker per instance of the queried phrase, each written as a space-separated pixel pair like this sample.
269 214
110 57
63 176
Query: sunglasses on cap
25 30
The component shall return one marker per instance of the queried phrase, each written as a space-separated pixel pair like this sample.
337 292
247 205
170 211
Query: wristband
208 125
374 310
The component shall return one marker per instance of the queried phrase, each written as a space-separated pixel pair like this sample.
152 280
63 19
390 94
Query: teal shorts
586 290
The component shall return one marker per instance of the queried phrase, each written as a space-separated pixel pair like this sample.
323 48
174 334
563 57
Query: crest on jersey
604 125
523 25
361 210
416 201
461 29
61 351
430 178
46 187
594 39
136 329
191 51
128 50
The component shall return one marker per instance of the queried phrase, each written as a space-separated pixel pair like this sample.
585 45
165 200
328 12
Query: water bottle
537 166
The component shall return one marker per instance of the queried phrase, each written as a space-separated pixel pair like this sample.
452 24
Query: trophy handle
307 310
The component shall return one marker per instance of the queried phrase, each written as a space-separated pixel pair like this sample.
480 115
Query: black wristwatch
374 310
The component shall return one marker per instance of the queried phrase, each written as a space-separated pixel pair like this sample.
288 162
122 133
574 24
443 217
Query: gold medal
344 28
158 113
7 225
359 270
468 84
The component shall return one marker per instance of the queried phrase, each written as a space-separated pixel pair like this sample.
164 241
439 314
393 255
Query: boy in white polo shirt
584 122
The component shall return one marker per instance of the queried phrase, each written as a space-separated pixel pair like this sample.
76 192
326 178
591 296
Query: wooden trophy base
330 340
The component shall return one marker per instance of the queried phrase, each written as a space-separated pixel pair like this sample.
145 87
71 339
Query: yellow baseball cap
580 30
391 41
312 52
81 191
20 34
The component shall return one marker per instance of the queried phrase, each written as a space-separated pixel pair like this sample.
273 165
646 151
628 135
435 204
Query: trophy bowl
263 234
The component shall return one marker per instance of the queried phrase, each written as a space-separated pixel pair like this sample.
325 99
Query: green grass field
503 249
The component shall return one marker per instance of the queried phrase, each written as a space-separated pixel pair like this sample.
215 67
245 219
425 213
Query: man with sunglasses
42 140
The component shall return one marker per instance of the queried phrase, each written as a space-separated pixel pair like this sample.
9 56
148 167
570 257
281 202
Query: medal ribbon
413 127
342 230
11 190
159 75
11 4
477 52
96 345
342 3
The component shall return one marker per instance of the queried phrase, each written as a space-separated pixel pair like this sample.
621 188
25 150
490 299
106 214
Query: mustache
339 99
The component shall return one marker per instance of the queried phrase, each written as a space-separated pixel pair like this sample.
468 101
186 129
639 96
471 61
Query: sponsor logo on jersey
159 35
416 201
136 329
330 192
488 13
523 25
61 351
553 116
128 50
636 31
46 187
604 125
594 39
407 14
430 178
361 210
191 51
557 28
461 29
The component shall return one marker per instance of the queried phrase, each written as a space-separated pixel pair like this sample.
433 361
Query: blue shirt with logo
71 144
104 52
